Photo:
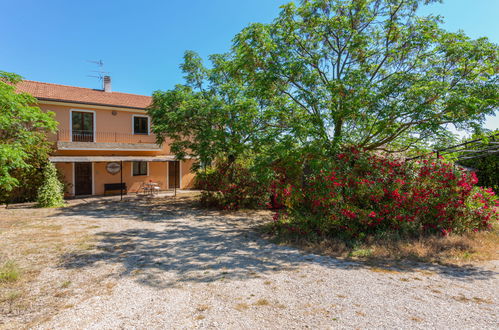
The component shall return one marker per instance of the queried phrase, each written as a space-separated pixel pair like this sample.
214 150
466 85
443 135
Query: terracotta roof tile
54 92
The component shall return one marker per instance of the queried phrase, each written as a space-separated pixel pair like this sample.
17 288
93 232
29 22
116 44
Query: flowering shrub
230 187
356 194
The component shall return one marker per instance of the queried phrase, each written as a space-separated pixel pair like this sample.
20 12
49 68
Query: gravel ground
174 266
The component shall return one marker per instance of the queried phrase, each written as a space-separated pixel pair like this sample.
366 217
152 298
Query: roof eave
89 103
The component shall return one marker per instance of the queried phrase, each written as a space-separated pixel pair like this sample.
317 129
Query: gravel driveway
175 266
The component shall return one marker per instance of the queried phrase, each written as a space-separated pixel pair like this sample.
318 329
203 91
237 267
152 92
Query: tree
369 73
212 115
23 131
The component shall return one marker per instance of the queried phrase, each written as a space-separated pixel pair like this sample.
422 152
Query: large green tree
23 132
370 73
212 115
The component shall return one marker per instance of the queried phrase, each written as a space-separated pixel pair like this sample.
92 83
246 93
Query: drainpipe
121 181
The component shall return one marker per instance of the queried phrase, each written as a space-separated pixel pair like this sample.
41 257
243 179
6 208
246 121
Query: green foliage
9 272
369 73
51 192
487 166
332 75
31 178
23 131
231 186
211 116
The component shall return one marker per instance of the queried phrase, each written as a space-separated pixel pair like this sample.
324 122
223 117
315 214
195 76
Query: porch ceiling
85 159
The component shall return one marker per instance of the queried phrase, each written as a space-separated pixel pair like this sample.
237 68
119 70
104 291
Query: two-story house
105 138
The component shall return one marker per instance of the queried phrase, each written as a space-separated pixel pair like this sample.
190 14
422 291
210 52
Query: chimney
107 84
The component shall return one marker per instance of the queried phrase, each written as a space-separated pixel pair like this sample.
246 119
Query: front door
173 174
82 126
83 179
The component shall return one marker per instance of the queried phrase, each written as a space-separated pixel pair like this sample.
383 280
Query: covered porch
104 175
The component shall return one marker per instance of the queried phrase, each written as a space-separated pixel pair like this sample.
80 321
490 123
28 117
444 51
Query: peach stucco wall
158 173
121 122
66 169
106 125
187 175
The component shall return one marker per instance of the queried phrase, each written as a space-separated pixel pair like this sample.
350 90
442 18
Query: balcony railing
64 135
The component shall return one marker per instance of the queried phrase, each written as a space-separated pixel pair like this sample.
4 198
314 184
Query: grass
35 241
10 298
9 272
452 249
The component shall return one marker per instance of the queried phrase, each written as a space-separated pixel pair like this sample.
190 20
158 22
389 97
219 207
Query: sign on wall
113 167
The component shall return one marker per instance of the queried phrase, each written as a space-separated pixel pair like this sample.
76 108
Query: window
139 168
140 125
82 126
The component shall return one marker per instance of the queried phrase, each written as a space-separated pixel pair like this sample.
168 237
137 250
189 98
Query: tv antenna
100 73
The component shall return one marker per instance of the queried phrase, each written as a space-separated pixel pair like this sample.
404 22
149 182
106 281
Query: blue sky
142 42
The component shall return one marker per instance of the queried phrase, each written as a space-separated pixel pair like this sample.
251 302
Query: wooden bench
114 188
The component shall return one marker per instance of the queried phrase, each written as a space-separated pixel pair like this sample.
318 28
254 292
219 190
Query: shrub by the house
231 186
51 192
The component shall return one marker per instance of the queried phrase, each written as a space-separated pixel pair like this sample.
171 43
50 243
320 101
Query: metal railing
468 150
64 135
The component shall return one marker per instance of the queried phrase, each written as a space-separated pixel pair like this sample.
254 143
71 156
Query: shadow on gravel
189 244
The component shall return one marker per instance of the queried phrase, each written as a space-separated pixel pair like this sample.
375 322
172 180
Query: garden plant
313 115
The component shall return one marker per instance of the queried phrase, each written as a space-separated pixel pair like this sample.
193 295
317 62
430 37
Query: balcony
99 140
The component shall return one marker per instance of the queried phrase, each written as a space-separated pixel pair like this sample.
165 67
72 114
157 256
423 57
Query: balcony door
82 126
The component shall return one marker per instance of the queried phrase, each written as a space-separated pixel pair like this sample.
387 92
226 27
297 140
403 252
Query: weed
9 272
361 253
65 284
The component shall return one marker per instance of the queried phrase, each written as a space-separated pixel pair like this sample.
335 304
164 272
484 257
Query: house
105 139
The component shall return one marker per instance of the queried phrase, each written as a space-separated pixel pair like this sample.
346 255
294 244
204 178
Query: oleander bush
356 195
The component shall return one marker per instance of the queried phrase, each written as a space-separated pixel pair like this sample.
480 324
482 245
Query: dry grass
475 300
32 241
262 302
202 308
241 307
416 319
453 249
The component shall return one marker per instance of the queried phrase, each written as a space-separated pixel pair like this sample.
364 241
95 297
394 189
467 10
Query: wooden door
83 179
173 174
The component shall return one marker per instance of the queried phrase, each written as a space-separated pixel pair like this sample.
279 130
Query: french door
82 126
